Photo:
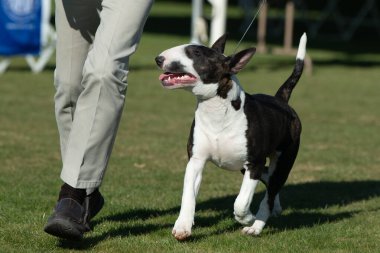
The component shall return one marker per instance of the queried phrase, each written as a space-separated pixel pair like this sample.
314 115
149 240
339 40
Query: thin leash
249 26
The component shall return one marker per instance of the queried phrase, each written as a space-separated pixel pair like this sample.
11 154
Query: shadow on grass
305 199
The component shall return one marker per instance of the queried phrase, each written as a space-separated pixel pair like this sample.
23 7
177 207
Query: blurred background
351 27
324 21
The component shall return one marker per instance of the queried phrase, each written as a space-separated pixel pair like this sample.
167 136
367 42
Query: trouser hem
81 184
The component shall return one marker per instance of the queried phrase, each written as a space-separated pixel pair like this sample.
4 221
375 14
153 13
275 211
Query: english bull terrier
233 129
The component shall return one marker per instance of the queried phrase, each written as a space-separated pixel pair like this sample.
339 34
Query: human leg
100 104
89 103
71 52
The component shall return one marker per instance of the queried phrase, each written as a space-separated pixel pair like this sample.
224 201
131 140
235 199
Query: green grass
331 200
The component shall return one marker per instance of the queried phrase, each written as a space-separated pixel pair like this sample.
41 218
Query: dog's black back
272 126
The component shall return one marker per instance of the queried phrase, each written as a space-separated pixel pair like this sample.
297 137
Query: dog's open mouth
173 80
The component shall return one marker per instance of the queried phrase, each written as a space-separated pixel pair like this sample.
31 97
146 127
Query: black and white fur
233 129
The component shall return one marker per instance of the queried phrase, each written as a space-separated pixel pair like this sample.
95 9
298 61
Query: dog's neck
219 112
209 93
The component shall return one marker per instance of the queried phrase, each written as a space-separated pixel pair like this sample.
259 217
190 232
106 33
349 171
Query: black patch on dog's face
210 65
175 67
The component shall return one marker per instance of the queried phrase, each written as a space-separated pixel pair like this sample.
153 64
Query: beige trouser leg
90 80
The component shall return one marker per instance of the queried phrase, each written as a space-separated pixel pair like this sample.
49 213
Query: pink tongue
162 76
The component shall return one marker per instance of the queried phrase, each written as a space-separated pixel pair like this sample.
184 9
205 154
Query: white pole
218 21
197 12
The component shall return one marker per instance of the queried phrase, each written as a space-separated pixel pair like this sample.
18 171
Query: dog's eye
196 52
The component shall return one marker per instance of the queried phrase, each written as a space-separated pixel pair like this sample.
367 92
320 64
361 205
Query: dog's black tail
286 89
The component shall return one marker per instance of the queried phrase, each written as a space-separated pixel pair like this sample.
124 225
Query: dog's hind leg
277 209
276 180
192 181
243 201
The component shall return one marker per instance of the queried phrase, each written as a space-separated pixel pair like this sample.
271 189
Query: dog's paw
255 229
182 230
180 234
251 231
247 219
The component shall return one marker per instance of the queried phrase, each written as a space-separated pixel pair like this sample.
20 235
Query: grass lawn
331 200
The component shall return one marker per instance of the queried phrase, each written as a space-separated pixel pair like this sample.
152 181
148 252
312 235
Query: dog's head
205 71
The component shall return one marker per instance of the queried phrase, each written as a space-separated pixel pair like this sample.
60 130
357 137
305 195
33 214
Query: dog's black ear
240 59
219 44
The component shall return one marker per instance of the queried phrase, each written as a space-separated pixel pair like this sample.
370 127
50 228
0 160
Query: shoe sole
64 229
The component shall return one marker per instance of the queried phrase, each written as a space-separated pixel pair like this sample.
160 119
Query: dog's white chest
220 136
228 150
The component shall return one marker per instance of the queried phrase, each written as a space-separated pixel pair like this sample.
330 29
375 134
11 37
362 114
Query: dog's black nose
160 60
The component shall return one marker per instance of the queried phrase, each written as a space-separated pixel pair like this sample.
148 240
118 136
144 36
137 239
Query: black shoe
68 220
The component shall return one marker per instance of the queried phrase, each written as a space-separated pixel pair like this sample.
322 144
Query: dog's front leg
192 181
243 201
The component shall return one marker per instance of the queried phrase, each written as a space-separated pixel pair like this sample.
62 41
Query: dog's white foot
182 230
247 219
255 229
181 234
